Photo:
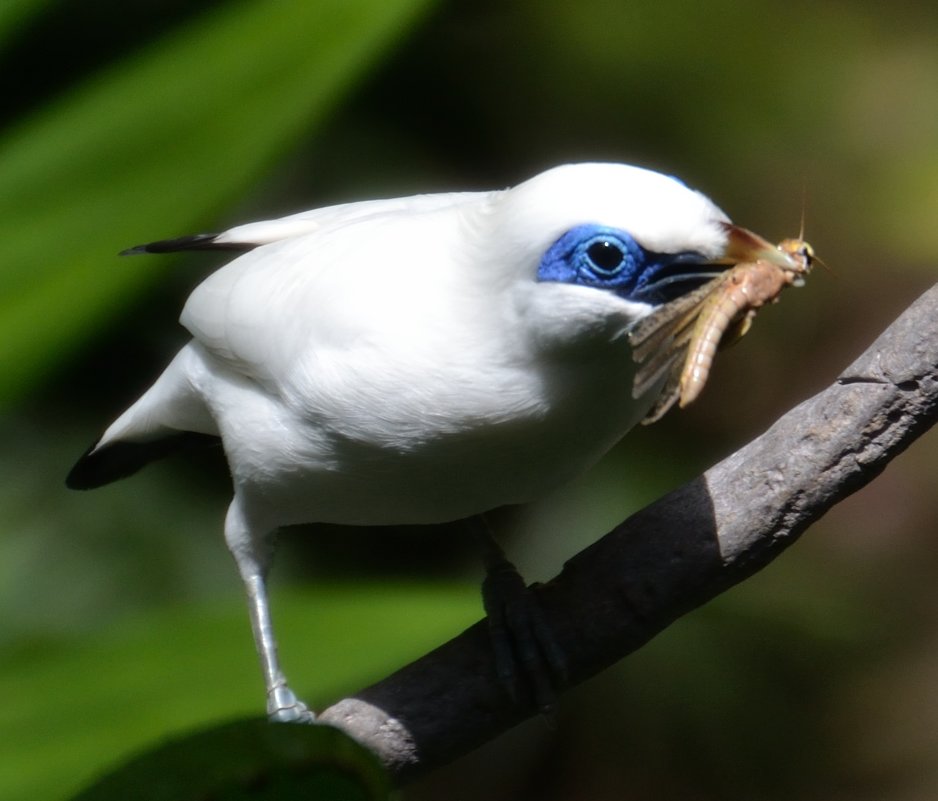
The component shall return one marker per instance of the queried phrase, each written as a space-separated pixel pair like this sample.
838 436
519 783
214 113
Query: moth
678 341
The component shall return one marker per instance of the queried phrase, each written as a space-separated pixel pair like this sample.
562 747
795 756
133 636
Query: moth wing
659 346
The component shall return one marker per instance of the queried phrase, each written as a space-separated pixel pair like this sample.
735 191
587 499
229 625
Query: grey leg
248 548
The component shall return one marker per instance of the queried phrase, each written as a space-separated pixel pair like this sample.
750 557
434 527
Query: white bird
416 360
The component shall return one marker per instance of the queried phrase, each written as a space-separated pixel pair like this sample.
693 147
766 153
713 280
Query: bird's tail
107 462
168 417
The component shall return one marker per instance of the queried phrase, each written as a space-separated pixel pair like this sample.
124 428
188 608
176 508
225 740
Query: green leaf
249 760
156 147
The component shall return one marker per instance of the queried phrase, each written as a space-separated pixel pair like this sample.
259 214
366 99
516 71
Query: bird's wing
331 278
251 235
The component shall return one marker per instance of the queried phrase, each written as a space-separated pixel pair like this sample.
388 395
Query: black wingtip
116 460
134 251
193 242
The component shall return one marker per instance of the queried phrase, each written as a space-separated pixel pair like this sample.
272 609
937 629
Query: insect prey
678 341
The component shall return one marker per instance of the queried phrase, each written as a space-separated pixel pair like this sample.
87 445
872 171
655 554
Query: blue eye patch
609 258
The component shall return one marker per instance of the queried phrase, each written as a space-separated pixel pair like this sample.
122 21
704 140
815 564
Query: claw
526 651
527 655
284 707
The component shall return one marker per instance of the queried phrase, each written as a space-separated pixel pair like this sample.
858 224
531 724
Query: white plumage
412 360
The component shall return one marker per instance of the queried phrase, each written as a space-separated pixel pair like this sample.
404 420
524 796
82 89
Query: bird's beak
742 245
687 271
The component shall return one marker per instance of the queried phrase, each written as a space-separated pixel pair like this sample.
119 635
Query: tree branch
672 556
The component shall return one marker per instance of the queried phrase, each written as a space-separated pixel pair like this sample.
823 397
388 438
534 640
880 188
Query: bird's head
596 247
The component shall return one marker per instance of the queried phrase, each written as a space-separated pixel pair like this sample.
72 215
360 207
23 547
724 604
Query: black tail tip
116 460
86 473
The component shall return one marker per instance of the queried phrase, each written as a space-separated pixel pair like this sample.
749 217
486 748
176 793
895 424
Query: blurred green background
121 618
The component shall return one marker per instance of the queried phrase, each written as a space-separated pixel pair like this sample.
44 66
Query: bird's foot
526 651
284 707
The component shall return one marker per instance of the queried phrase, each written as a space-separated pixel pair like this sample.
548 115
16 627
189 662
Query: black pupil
605 255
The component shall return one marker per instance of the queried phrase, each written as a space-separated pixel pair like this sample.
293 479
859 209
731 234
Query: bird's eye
594 255
606 256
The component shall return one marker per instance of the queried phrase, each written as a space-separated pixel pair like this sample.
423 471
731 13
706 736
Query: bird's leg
252 555
521 639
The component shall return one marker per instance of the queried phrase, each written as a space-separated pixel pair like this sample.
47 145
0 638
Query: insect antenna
815 259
